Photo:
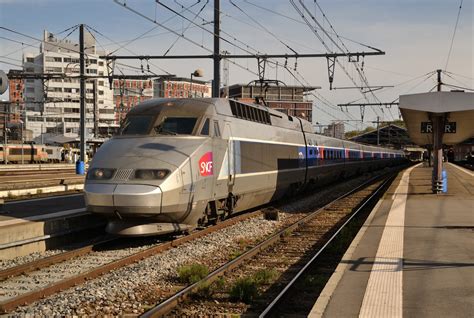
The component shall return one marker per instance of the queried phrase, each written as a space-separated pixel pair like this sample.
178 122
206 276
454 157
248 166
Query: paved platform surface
41 206
414 257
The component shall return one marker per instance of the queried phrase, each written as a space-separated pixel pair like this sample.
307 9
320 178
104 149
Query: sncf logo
205 165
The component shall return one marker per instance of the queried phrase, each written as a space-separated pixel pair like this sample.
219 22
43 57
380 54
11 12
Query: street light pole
22 151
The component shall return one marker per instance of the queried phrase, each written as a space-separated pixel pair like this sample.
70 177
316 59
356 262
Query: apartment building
335 130
52 105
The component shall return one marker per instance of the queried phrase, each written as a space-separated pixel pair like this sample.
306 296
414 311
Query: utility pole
96 109
378 131
438 131
217 57
82 125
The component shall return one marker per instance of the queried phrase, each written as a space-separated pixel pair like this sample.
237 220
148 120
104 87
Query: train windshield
176 126
136 125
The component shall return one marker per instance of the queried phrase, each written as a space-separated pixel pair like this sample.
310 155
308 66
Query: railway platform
414 256
35 225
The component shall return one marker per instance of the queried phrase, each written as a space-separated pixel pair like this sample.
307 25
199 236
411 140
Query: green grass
190 274
244 290
265 276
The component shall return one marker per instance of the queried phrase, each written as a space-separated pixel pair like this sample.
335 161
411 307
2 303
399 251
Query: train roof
156 105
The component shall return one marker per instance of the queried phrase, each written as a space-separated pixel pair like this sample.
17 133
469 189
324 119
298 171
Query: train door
233 157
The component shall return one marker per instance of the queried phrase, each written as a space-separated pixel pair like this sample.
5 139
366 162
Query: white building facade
52 106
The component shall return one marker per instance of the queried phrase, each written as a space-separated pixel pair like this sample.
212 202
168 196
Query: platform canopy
457 109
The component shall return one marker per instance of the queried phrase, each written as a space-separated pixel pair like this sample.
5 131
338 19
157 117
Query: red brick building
180 87
286 99
16 89
129 93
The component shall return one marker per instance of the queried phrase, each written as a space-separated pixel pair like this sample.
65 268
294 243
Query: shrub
206 290
190 274
264 276
244 289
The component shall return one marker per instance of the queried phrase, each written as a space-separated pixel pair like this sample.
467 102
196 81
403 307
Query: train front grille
123 174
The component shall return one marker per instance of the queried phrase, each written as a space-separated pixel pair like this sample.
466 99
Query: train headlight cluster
100 174
149 174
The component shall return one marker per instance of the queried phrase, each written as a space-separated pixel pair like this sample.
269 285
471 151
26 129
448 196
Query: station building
389 136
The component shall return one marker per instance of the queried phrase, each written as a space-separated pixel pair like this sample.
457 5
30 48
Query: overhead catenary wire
454 34
142 36
108 38
124 5
301 22
301 12
187 27
358 68
454 79
263 27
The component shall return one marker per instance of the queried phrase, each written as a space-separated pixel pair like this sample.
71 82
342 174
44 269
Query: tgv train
179 163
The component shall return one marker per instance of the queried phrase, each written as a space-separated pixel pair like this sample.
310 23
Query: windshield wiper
162 131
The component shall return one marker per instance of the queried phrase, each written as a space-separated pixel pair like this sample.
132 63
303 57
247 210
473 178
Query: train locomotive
179 163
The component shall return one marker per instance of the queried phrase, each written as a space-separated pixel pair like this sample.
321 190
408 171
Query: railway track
465 164
29 282
41 280
287 253
35 172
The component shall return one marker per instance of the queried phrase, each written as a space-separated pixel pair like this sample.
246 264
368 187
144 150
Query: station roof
457 107
390 135
438 102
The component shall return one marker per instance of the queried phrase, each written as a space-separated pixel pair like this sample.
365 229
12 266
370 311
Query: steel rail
166 306
303 269
34 172
29 297
50 260
68 177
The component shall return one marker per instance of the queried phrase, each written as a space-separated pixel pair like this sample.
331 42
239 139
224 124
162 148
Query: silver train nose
124 199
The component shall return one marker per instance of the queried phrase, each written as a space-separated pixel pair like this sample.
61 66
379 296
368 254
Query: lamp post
197 73
22 151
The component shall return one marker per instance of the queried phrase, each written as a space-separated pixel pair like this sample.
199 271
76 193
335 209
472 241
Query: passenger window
205 128
217 131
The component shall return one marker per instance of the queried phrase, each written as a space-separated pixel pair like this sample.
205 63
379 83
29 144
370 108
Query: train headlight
100 174
149 174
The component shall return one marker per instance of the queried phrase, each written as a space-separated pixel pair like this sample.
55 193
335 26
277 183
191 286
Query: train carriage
177 163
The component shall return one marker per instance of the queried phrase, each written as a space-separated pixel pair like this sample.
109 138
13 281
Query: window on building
101 92
30 59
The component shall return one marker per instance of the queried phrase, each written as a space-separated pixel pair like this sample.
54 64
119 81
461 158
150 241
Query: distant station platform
28 226
414 256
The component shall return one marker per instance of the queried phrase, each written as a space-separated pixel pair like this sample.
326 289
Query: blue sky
415 34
